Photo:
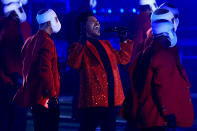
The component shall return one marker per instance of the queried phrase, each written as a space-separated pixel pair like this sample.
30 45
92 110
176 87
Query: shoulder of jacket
163 57
106 42
48 41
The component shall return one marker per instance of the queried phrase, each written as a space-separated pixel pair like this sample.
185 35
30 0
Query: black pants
90 118
12 117
130 127
45 119
6 110
155 129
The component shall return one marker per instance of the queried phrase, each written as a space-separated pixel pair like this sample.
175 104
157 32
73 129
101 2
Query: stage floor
68 124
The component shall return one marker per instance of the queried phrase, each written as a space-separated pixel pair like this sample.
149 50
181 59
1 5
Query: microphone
116 29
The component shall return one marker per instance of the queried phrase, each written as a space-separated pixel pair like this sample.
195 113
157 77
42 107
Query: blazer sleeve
1 37
3 27
3 76
5 79
75 55
46 55
25 30
124 54
163 66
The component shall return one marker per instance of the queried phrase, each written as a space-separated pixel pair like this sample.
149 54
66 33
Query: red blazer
40 71
142 24
25 30
11 42
166 91
93 77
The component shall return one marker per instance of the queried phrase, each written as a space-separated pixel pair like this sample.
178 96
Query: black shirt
108 68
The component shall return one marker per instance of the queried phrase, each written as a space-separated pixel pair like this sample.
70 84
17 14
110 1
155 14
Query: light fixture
121 10
134 10
109 11
94 11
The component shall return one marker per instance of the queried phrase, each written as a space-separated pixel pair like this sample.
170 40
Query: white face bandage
5 2
18 9
174 11
51 16
151 3
165 29
176 23
161 14
93 3
22 2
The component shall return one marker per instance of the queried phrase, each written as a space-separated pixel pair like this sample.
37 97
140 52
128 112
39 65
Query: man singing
100 85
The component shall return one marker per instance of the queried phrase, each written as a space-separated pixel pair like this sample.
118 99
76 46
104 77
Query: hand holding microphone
121 31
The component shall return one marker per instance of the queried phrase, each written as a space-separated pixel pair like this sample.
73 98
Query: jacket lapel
108 50
94 51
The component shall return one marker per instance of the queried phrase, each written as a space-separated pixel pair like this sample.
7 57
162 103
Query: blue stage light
94 11
102 10
109 11
134 10
121 10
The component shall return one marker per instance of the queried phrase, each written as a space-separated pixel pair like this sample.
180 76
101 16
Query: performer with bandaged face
101 90
41 81
11 6
13 31
160 90
172 16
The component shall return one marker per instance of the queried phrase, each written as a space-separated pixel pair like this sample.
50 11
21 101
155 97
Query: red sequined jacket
93 77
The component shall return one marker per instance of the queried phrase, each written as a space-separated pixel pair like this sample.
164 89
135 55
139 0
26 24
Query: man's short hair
82 19
42 11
